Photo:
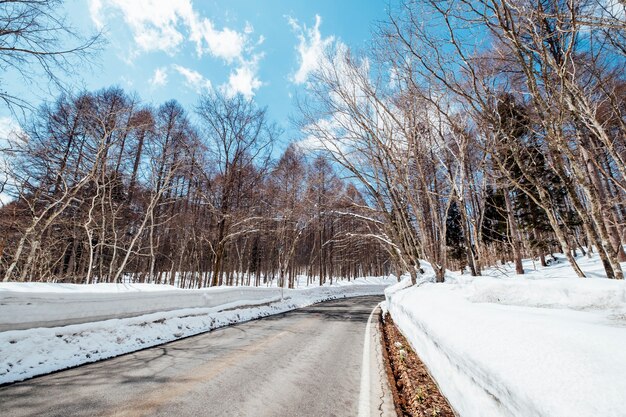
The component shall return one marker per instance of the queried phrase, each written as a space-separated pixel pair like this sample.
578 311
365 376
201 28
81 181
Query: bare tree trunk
516 244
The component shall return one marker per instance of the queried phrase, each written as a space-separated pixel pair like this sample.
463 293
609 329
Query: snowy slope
36 351
548 344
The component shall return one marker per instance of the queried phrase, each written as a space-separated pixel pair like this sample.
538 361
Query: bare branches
36 38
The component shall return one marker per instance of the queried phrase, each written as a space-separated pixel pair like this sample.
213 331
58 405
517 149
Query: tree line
108 189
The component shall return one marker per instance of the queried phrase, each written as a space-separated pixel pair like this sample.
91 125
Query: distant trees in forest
110 189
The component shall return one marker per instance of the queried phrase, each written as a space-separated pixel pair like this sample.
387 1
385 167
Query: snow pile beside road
28 305
520 347
37 351
71 305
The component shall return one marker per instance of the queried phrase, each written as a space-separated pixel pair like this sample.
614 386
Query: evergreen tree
455 240
494 225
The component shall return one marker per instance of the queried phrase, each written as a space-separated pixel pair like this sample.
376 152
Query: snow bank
37 351
28 305
71 305
518 346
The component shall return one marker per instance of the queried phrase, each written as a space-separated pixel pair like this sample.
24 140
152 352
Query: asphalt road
316 361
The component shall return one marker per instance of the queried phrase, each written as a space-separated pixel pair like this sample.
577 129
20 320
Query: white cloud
95 11
226 43
159 79
154 23
12 138
163 25
243 80
194 79
318 134
311 48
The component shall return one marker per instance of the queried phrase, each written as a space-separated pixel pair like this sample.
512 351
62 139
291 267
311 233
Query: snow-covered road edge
509 347
462 390
27 310
29 305
32 352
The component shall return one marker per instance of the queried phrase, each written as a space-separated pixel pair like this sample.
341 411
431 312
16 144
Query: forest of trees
474 132
110 189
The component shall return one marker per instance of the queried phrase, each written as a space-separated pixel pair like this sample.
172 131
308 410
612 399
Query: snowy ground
544 344
39 350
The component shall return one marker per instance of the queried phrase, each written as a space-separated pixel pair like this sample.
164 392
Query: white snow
40 350
28 305
543 344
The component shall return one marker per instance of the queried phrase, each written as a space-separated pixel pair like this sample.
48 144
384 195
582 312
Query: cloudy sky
163 49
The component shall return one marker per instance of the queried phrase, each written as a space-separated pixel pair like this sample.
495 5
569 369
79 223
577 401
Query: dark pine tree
455 240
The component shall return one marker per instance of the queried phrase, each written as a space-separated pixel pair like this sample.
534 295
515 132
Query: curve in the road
308 362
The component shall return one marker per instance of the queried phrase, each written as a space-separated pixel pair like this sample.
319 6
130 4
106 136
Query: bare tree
240 138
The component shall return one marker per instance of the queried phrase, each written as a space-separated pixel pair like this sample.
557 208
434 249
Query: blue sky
164 49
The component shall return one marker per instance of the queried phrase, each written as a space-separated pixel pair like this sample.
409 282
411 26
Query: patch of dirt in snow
415 394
